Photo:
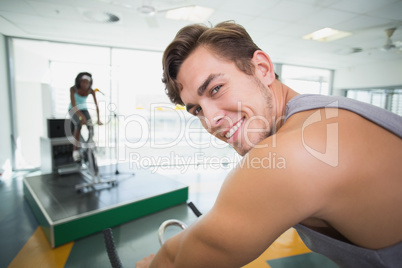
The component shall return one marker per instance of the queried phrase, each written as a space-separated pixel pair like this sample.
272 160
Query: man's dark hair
227 40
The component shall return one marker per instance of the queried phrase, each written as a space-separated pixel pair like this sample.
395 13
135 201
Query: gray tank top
343 253
386 119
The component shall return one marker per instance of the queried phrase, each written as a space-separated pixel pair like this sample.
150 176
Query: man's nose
213 117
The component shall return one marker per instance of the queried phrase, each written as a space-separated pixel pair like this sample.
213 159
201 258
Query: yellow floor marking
38 253
288 244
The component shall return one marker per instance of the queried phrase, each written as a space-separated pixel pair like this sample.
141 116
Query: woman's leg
89 126
77 133
76 123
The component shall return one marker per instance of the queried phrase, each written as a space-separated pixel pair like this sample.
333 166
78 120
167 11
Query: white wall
33 103
388 73
29 91
29 110
5 133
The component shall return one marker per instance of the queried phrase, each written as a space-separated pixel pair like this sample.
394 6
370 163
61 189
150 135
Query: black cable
194 209
111 249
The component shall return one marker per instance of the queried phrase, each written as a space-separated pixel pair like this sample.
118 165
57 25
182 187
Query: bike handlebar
110 245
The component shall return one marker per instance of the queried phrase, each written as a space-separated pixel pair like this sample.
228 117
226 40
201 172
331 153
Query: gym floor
24 244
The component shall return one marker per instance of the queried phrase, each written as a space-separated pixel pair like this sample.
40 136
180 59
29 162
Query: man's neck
282 94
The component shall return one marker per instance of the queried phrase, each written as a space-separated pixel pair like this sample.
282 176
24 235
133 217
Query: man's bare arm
254 206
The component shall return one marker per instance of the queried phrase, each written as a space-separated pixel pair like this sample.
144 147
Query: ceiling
275 25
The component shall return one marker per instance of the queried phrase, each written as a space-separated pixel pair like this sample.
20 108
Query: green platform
66 215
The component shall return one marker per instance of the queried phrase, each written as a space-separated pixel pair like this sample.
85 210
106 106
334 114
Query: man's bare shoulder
311 169
278 173
303 159
336 138
305 147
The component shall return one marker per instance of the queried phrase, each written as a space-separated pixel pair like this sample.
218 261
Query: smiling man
232 106
340 185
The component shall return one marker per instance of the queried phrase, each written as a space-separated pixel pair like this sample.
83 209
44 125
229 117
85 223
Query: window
140 123
305 80
44 72
389 98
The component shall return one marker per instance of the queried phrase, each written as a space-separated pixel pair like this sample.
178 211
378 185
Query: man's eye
215 89
197 110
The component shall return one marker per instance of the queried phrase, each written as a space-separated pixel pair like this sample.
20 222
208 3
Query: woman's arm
97 108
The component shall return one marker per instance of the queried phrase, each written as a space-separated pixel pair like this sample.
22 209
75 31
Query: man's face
233 106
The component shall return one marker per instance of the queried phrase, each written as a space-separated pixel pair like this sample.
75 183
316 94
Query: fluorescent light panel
192 13
326 35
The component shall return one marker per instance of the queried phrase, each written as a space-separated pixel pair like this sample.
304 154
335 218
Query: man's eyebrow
202 88
207 81
189 106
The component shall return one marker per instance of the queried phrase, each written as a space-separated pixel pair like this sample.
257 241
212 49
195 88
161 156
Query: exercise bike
111 247
88 165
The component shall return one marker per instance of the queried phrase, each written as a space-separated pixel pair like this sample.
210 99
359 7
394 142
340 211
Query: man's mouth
233 130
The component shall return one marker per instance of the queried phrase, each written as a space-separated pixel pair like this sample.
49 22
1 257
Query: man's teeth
234 129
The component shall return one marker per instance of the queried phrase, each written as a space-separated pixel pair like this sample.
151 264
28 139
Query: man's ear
264 67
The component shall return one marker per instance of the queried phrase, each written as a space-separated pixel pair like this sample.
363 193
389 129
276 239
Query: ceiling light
191 13
326 35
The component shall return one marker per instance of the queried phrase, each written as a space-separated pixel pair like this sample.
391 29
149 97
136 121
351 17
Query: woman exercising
78 108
